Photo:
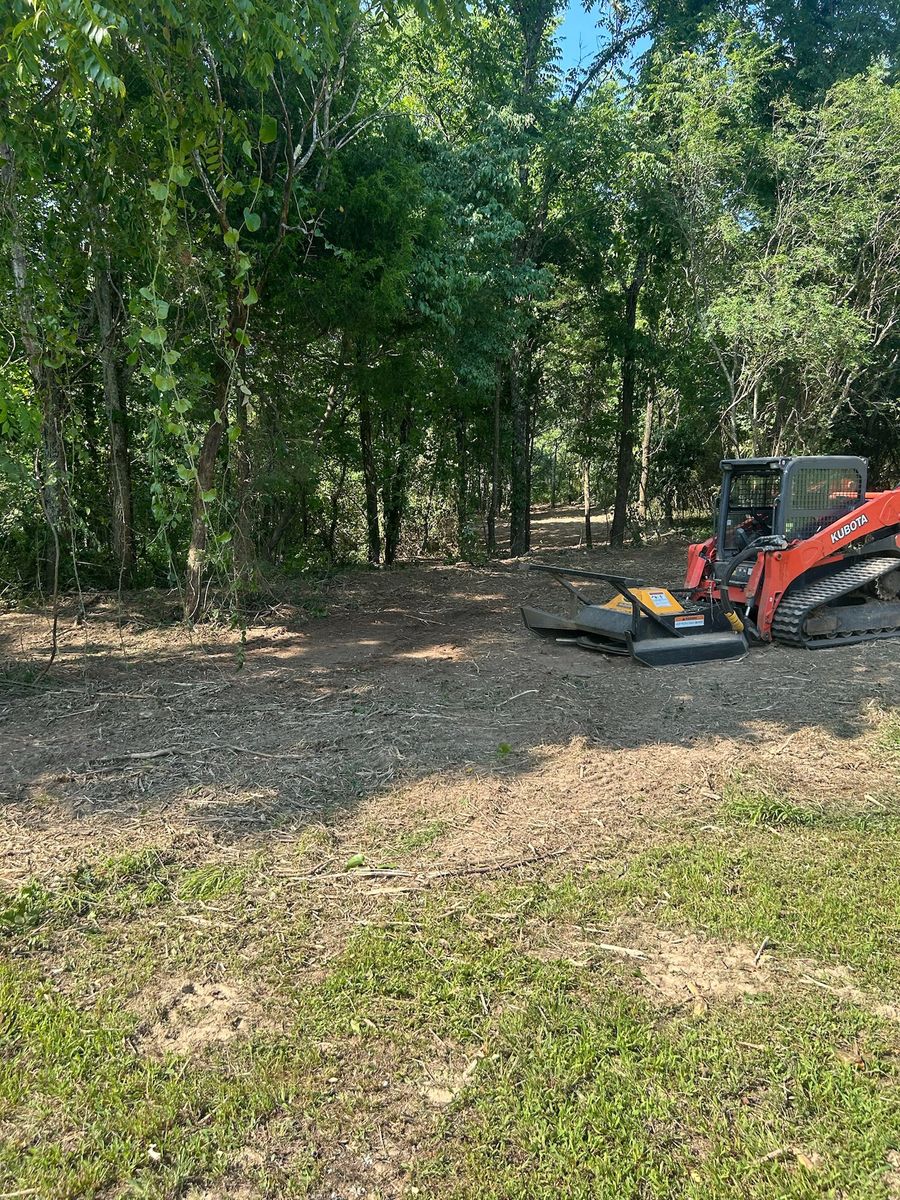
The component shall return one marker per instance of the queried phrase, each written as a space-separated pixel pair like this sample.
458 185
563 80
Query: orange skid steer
802 554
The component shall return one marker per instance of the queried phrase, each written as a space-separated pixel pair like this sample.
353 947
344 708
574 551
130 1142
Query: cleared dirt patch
419 693
685 968
192 1017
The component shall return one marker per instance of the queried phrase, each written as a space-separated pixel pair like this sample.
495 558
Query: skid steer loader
802 554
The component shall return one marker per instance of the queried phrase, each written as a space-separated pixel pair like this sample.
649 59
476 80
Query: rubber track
795 607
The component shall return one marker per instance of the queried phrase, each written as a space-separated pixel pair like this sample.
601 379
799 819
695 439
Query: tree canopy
289 284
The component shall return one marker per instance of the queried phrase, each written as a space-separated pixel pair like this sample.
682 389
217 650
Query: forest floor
382 897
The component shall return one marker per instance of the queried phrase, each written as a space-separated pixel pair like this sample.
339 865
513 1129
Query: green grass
890 732
815 881
578 1084
606 1101
419 838
92 1115
582 1088
758 805
210 882
833 896
830 893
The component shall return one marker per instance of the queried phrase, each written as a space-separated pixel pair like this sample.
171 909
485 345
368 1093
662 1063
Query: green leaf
240 336
171 357
355 860
231 238
252 220
155 337
159 191
247 148
208 497
164 381
251 297
268 129
179 175
186 474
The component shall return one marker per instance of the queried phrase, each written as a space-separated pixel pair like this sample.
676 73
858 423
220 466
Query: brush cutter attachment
660 627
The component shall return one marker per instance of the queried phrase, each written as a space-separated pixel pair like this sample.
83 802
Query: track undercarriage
856 603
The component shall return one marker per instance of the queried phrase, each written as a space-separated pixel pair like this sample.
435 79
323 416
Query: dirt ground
418 703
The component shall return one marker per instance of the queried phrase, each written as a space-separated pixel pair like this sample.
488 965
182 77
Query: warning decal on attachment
660 599
690 621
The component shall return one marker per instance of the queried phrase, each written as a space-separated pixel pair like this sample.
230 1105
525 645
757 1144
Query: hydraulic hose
758 546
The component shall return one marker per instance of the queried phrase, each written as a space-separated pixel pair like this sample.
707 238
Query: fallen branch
425 877
626 950
490 868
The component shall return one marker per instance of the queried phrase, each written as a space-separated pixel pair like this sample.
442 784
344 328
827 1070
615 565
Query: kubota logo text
850 527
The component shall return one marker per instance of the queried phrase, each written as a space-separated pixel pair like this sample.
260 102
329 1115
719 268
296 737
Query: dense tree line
285 283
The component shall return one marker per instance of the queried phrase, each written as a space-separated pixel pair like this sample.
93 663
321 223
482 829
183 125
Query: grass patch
889 734
755 805
605 1102
831 892
420 838
750 802
210 881
114 886
567 1082
92 1116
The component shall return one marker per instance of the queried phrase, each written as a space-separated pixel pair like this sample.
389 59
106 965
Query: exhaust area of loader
657 626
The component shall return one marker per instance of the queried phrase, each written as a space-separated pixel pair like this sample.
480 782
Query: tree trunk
370 480
277 529
54 496
625 431
553 477
335 503
586 495
226 362
494 506
122 530
395 494
462 483
47 388
646 442
49 394
244 541
204 483
519 495
754 423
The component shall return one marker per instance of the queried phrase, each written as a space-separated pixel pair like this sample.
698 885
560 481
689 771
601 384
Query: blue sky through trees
578 36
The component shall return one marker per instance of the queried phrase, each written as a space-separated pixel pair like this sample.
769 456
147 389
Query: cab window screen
818 497
751 509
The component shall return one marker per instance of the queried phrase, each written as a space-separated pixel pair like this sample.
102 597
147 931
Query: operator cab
793 498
